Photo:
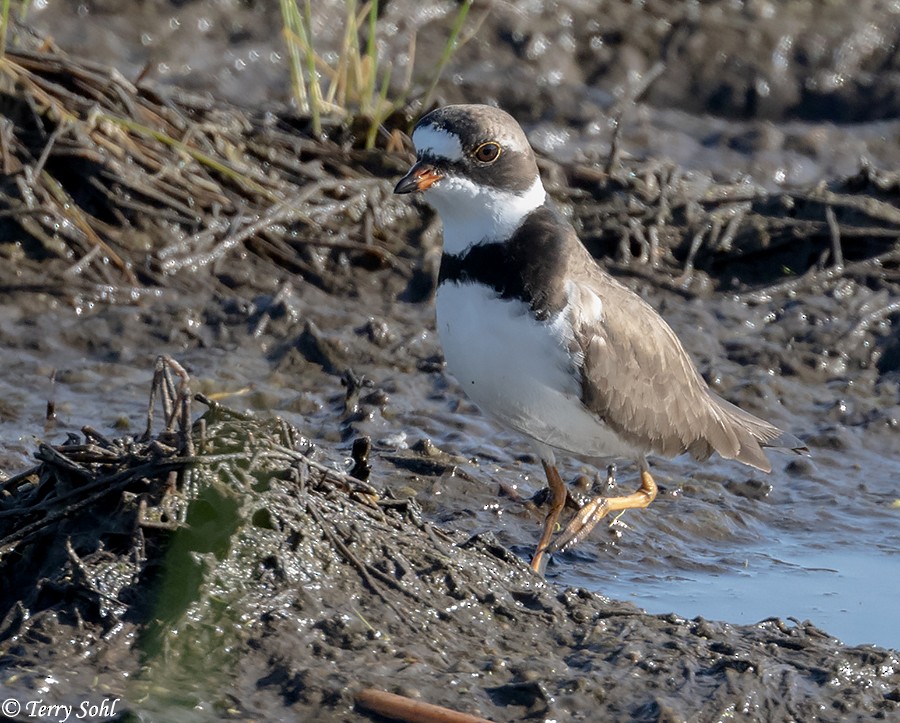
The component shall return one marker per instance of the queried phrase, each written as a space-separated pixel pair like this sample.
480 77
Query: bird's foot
589 515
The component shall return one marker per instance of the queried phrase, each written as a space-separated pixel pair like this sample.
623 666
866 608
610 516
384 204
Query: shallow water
850 592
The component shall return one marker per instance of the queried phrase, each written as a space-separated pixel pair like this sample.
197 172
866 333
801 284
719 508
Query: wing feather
638 377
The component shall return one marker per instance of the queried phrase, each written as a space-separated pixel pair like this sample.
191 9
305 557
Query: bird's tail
752 434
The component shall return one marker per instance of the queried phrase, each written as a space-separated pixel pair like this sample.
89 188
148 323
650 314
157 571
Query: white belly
519 370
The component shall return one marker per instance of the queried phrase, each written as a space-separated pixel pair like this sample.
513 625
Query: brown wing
638 377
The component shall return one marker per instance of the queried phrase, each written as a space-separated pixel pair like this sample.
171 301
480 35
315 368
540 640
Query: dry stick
213 459
368 573
284 290
106 448
398 707
385 257
275 248
208 162
165 198
45 91
282 212
347 480
184 422
874 316
731 228
228 412
633 96
48 146
836 251
83 264
107 485
696 243
170 256
158 387
637 231
126 93
79 219
30 201
79 565
365 572
864 204
7 141
813 276
180 411
155 390
13 482
118 201
169 393
49 454
179 401
275 452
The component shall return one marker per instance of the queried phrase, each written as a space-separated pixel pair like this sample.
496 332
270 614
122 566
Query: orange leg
557 502
595 510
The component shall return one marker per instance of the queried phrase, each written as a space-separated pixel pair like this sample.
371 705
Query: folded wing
637 376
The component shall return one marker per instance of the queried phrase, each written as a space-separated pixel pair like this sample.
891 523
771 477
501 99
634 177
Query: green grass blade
372 56
4 17
449 47
312 77
382 110
358 83
290 17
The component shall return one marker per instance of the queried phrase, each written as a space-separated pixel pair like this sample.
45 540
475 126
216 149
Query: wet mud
332 514
246 578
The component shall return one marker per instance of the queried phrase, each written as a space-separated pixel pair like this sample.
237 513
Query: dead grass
361 83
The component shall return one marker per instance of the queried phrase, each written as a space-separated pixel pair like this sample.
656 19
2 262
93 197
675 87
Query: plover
545 340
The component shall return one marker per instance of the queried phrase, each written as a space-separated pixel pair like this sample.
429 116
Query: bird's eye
487 152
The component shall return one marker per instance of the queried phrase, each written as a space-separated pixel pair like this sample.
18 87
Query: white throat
473 214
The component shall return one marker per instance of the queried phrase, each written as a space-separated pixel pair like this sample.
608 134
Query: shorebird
544 339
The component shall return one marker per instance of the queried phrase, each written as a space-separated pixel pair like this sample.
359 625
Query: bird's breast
518 368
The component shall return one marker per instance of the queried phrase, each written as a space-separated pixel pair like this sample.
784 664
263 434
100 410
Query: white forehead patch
437 142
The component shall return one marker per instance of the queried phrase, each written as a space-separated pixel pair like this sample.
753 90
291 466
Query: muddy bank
225 569
290 283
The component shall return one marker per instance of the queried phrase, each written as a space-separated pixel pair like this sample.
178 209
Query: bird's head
474 162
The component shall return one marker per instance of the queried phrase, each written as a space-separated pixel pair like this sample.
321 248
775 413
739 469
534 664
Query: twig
398 707
368 573
632 96
105 485
837 252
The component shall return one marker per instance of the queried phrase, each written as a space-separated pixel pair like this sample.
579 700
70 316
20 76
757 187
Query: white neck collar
474 214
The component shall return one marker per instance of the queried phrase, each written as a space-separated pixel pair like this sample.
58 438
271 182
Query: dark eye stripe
515 172
442 162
